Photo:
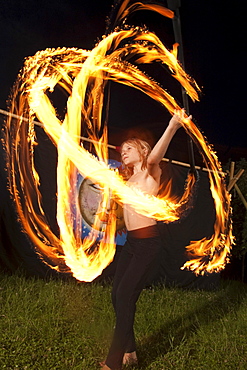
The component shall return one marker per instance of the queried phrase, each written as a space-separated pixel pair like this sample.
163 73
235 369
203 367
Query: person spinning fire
143 244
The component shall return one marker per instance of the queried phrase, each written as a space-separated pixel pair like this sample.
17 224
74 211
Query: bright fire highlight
84 75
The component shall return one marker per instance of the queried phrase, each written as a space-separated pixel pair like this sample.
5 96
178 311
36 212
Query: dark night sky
213 31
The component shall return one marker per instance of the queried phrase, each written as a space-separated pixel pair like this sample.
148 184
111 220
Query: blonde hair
143 149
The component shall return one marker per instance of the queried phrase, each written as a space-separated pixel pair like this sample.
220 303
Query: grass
68 325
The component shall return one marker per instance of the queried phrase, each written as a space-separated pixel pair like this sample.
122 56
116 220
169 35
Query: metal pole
174 6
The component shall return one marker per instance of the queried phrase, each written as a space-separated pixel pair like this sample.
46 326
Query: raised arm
160 148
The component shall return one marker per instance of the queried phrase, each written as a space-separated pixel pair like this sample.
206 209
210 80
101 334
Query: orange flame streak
76 71
126 10
212 254
44 108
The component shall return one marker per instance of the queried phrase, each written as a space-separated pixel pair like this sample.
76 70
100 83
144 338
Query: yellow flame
84 75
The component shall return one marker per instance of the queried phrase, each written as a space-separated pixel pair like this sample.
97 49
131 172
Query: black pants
138 256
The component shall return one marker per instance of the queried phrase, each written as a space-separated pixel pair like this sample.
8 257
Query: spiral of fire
83 75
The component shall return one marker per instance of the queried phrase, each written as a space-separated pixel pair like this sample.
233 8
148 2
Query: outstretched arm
160 148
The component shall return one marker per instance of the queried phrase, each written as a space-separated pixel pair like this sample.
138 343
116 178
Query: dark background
213 44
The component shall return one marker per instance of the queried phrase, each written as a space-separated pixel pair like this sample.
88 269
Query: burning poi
84 75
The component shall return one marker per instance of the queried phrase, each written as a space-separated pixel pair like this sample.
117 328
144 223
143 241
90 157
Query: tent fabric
17 251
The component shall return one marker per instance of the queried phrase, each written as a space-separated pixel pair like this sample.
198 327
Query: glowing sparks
84 75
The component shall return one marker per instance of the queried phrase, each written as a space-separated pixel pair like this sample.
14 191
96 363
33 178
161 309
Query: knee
124 297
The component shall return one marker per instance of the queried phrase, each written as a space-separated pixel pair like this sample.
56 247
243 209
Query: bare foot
105 367
130 358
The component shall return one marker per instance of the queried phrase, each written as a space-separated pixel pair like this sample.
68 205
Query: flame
84 75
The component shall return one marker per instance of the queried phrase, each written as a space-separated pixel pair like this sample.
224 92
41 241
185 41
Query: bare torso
146 183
